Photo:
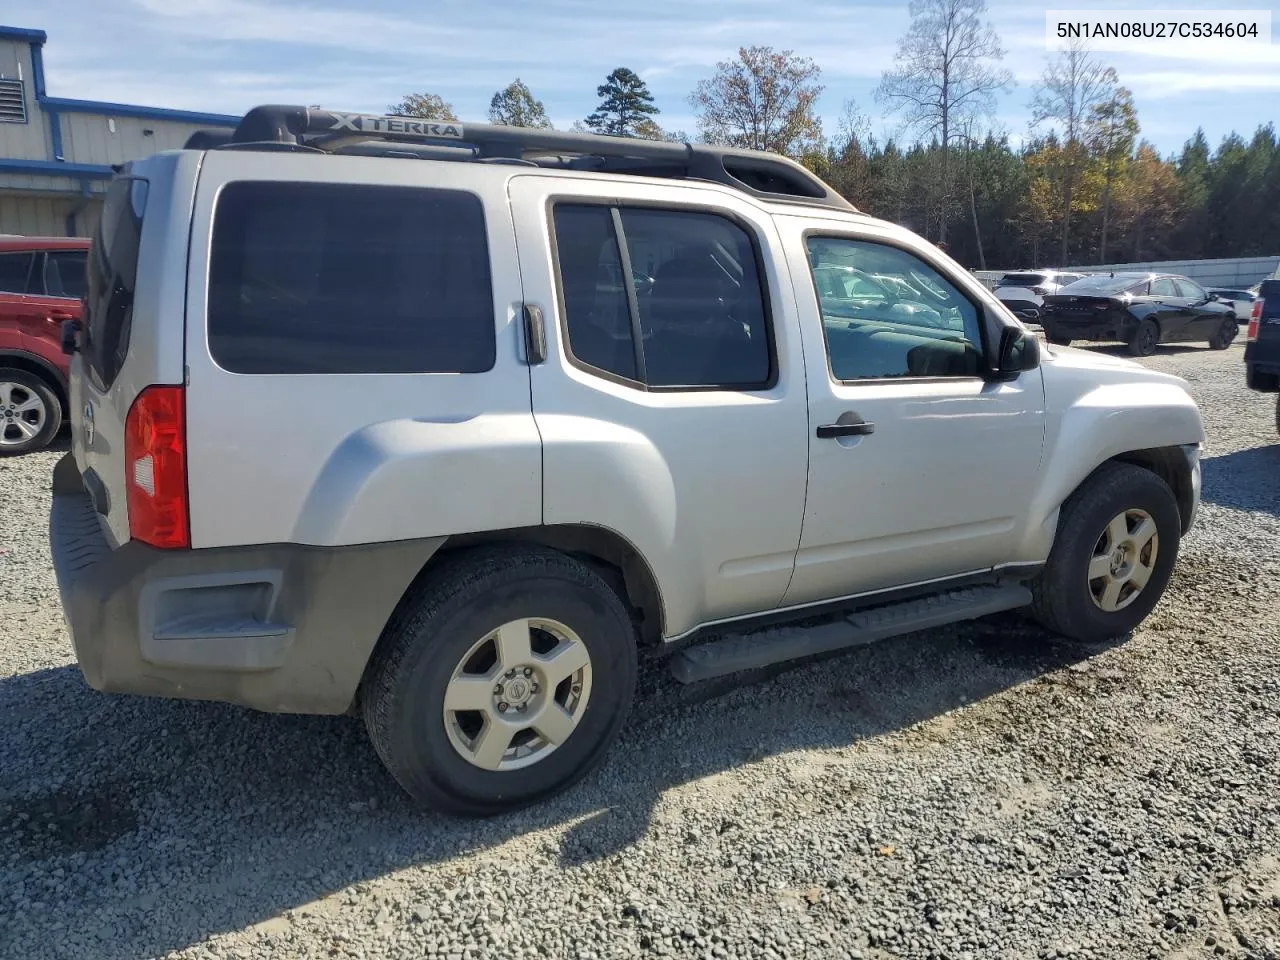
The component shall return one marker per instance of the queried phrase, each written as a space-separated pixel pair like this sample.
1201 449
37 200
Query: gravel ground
971 792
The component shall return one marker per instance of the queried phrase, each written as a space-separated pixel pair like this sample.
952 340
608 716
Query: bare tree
1110 131
945 73
1074 82
763 100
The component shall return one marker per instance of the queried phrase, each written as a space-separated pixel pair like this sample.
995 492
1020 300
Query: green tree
427 106
763 100
514 106
625 104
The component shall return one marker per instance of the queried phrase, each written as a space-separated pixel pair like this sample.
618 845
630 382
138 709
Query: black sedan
1140 309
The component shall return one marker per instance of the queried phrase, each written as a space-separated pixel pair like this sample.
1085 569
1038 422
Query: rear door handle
830 431
59 315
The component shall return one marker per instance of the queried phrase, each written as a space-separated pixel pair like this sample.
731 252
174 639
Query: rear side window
14 271
327 278
112 274
64 273
667 299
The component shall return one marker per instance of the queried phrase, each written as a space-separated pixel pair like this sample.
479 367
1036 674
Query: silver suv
443 423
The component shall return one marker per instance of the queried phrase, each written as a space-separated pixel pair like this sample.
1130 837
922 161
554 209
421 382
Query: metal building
56 154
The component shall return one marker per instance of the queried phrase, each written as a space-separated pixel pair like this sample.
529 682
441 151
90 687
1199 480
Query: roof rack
766 176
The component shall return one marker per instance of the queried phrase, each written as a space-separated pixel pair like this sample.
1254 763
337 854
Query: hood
1106 367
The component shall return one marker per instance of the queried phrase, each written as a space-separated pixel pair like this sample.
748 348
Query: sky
225 56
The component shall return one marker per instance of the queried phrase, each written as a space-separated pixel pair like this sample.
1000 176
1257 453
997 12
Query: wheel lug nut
528 671
503 707
533 688
497 691
522 708
511 672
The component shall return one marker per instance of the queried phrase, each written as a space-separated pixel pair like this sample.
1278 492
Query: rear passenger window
324 278
887 313
64 273
112 274
667 299
14 270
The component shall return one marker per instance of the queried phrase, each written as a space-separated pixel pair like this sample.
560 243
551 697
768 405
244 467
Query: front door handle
830 431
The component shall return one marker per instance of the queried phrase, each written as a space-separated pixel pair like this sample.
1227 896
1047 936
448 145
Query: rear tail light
1254 319
1039 291
155 456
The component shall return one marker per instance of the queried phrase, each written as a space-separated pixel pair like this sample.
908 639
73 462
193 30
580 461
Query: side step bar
754 650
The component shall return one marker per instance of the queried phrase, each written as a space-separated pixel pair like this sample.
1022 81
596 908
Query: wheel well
27 364
1170 465
608 553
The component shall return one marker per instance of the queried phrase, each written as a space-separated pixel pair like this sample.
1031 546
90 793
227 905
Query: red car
42 281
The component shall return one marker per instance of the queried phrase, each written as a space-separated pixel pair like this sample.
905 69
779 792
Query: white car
1023 292
1241 301
362 422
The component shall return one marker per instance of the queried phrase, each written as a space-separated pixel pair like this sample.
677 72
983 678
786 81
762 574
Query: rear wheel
1226 333
30 413
502 680
1145 339
1112 557
1057 339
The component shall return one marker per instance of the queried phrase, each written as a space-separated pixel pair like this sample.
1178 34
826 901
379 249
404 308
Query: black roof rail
764 175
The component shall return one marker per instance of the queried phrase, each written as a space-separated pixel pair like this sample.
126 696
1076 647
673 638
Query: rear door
672 408
355 373
17 312
1172 311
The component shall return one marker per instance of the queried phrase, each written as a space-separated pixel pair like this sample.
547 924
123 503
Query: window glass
112 272
1190 290
328 278
14 269
64 273
1163 288
695 287
703 316
595 298
887 313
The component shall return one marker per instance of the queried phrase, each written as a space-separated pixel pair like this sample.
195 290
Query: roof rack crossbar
764 175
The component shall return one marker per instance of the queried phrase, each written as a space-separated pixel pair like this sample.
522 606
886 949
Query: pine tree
625 106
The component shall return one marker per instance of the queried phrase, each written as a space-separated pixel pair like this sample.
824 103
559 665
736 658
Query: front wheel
1112 557
502 680
1226 333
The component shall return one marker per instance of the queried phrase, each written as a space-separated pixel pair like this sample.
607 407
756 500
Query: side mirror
1018 352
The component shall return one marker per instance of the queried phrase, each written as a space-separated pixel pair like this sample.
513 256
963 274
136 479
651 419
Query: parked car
388 436
1241 301
41 282
1023 292
1262 344
1140 309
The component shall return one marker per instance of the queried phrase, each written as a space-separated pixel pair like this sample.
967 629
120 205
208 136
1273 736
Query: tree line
1081 187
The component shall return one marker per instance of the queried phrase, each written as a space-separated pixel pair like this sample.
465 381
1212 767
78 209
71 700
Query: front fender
1101 423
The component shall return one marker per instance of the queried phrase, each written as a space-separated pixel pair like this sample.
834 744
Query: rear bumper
1108 328
278 627
1262 365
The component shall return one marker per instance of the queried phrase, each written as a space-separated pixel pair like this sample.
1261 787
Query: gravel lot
970 792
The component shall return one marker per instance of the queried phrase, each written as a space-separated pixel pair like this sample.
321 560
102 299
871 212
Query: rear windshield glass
328 278
1103 285
1022 279
112 272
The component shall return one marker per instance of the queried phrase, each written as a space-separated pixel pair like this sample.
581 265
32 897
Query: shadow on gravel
1244 480
1122 350
143 826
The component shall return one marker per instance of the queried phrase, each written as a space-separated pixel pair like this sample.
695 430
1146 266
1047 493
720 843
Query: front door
672 402
919 469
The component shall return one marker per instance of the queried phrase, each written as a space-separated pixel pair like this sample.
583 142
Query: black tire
1225 334
1057 339
1145 338
1063 599
445 614
25 388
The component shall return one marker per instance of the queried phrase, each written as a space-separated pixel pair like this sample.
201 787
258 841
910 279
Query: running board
766 647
